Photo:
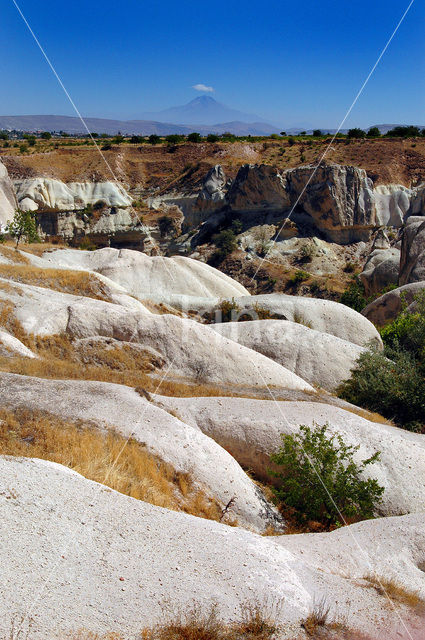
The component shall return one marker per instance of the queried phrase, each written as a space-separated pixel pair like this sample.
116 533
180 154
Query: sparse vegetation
395 591
23 226
257 623
104 457
341 491
392 382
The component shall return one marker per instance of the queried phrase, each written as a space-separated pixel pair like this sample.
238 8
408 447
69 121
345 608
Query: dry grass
369 415
79 283
60 359
317 618
396 592
12 254
257 623
102 457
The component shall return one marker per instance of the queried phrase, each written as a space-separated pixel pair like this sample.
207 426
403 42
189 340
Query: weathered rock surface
120 408
250 430
8 202
41 193
412 259
322 315
11 346
392 202
381 270
188 348
388 306
319 358
69 573
258 187
156 278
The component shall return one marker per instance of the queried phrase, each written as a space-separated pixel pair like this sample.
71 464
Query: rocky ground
136 433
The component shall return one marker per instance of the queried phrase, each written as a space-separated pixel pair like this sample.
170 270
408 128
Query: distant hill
203 110
73 125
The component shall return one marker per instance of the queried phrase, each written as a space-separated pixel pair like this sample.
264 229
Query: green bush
194 137
23 226
319 479
373 133
354 295
356 133
298 277
212 137
225 241
392 382
46 135
154 139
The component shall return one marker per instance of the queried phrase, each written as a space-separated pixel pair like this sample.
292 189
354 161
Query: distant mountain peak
201 110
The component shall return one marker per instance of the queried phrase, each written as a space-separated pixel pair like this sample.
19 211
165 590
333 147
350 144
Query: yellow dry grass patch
59 359
395 591
104 457
12 254
79 283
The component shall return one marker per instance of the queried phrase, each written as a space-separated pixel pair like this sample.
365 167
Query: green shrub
341 490
354 295
392 382
194 137
154 139
212 137
298 277
225 241
356 133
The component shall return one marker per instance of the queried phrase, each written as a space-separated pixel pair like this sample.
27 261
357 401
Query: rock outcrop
156 278
388 306
46 193
189 349
8 202
319 358
91 558
117 407
250 429
258 187
412 259
381 270
392 202
325 316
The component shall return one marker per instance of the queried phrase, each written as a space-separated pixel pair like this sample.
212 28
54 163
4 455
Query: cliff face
340 201
335 202
7 196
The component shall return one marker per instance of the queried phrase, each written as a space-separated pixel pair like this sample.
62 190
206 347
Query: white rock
73 546
9 345
325 316
156 278
8 202
388 306
392 202
319 358
190 349
118 407
250 430
35 193
381 270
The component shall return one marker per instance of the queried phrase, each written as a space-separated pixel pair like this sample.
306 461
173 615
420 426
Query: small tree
317 133
23 225
319 479
154 139
46 135
194 137
356 133
373 133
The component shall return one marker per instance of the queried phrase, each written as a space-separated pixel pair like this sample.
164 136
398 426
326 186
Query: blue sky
293 63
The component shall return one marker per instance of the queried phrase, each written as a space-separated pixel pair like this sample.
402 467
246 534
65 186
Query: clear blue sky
290 62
